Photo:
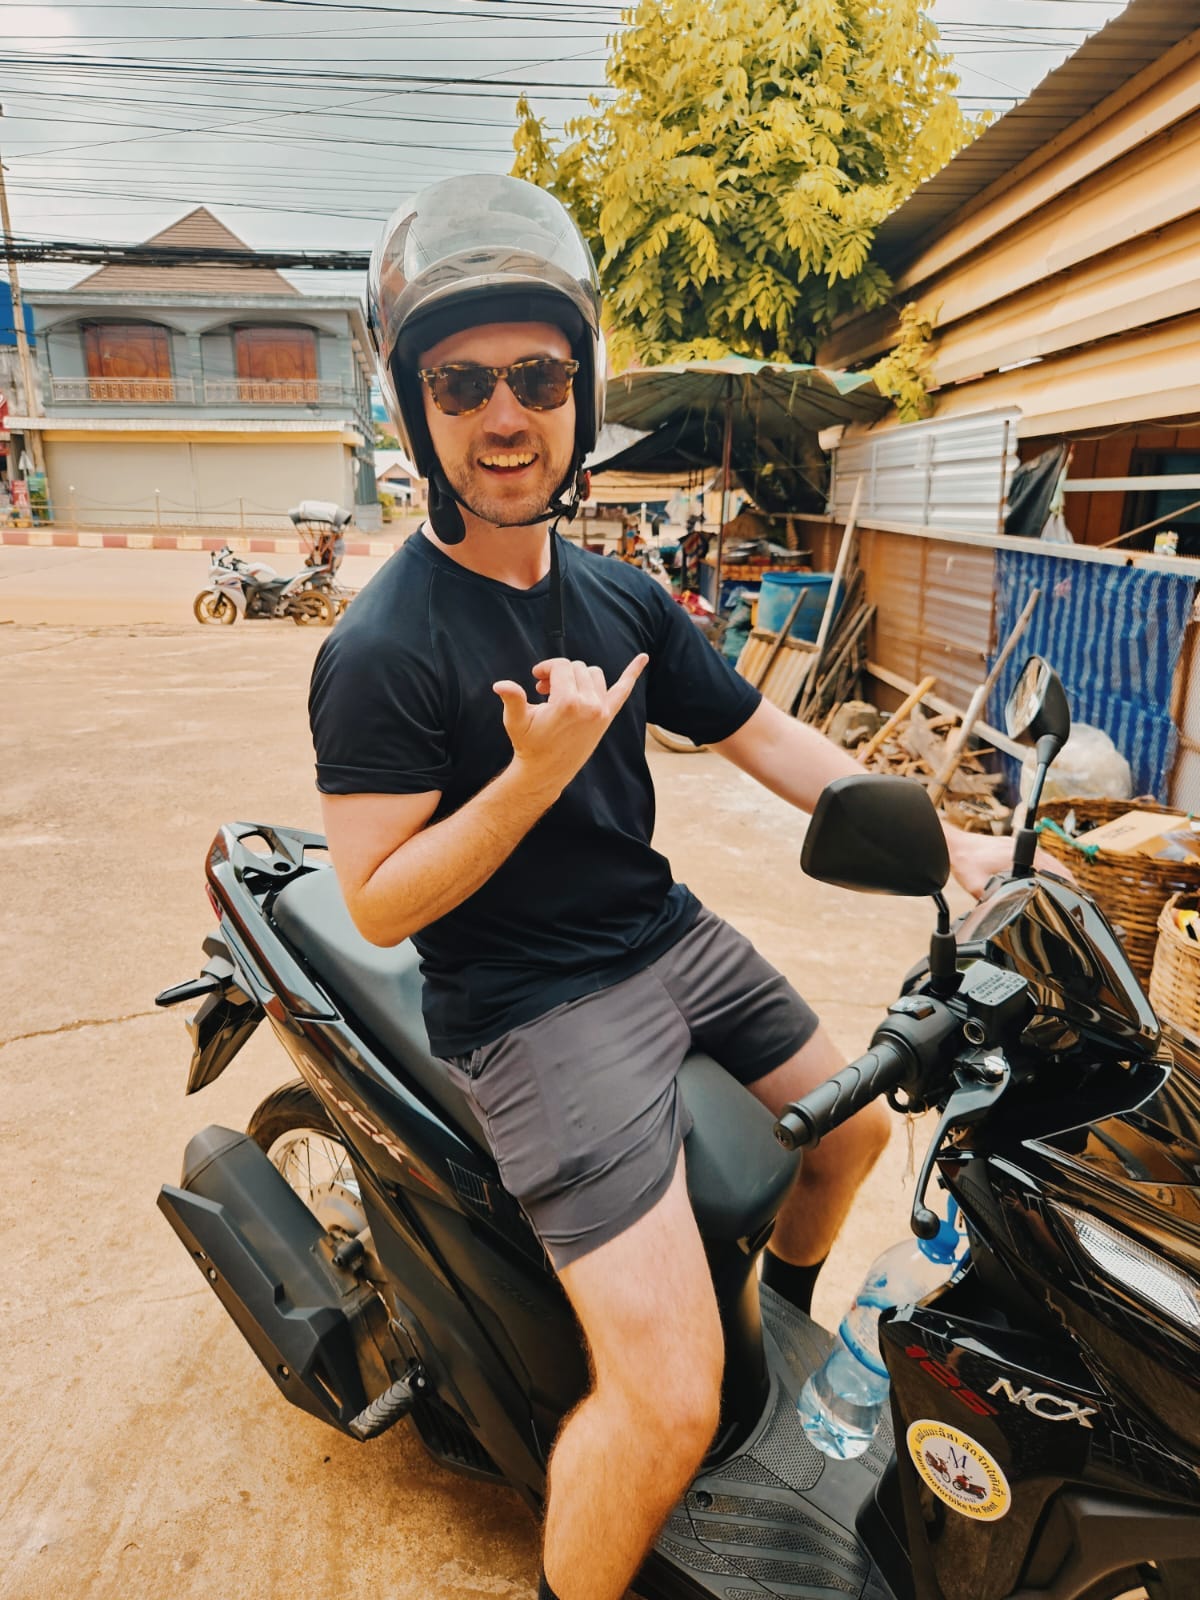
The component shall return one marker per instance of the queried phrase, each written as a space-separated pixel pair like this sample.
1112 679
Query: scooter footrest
389 1407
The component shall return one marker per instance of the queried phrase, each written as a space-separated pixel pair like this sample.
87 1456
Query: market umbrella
693 408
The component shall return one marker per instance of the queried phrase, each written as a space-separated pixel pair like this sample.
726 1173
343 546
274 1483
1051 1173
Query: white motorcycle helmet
468 251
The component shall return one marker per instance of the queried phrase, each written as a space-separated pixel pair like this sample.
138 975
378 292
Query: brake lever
981 1080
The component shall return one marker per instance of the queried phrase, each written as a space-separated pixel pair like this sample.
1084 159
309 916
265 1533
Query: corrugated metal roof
1143 32
199 227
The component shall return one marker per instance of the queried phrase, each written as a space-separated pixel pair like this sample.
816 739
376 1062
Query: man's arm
398 875
796 762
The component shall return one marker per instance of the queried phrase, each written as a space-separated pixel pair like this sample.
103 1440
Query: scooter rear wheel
299 1137
312 608
209 606
678 742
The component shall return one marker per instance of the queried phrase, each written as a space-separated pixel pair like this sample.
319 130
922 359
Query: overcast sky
304 122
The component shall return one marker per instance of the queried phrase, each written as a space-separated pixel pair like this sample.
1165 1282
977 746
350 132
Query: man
566 974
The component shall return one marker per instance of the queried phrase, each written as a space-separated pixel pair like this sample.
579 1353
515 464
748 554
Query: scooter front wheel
300 1139
210 606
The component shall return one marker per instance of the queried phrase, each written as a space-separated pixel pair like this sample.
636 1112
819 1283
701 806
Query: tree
732 189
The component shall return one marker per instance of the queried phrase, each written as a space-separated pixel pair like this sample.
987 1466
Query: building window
276 364
128 361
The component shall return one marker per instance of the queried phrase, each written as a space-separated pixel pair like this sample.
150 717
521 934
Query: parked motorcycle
250 589
1044 1435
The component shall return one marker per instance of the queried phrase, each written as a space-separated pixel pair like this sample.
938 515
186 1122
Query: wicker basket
1175 981
1130 889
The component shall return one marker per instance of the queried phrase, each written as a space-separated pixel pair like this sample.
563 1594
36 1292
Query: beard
519 503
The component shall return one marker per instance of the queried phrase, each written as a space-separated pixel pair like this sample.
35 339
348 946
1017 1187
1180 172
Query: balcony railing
209 391
273 391
125 391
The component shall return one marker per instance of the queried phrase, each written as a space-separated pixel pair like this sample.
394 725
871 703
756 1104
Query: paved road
144 1455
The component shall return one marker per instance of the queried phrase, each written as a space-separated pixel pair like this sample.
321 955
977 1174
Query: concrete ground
143 1452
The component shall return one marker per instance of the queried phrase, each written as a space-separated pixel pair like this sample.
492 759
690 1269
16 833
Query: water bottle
841 1403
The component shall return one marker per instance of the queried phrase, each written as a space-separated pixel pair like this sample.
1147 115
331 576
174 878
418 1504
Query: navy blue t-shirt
401 702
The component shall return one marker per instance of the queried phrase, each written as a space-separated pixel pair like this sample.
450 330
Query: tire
311 608
295 1131
209 606
674 741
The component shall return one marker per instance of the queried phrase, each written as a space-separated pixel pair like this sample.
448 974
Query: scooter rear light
1121 1258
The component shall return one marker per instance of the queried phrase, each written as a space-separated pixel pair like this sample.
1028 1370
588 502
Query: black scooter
1044 1437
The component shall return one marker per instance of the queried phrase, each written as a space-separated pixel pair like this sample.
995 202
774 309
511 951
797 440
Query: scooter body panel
1045 1418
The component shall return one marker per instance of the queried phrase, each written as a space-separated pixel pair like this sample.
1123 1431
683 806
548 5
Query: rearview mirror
1037 706
879 835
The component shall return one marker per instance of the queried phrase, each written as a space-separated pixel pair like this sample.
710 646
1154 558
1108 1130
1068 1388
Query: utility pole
32 408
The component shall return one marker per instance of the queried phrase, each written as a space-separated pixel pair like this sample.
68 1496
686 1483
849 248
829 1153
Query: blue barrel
778 595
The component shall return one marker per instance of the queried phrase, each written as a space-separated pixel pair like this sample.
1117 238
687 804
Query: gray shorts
580 1105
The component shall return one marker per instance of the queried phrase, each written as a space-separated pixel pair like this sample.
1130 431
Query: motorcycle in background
251 589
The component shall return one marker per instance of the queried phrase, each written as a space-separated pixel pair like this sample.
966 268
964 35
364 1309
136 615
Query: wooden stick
897 717
838 572
777 642
1146 526
896 680
958 744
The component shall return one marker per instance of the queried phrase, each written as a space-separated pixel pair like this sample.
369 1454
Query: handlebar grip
830 1104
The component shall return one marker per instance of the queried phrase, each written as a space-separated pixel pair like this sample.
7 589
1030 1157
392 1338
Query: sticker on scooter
959 1471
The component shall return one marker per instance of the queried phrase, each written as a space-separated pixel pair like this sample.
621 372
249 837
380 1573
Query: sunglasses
542 383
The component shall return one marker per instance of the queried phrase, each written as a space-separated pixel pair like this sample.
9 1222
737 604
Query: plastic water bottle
841 1403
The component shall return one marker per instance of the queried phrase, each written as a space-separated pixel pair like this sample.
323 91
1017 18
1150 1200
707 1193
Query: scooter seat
737 1173
380 986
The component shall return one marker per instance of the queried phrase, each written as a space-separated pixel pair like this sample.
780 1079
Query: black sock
795 1284
545 1592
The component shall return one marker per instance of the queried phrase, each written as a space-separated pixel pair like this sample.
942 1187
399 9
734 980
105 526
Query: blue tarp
1113 634
8 328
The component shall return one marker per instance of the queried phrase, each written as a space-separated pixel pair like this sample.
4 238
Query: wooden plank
894 680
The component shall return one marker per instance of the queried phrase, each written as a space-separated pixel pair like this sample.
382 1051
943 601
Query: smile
508 463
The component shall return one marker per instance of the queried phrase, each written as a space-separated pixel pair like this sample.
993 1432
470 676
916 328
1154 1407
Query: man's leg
628 1451
830 1174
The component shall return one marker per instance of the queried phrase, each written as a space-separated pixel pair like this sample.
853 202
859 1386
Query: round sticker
959 1471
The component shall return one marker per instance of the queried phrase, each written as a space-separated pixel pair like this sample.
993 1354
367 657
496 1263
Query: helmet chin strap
446 520
445 505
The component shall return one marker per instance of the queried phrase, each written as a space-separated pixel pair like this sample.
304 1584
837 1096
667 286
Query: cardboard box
1160 835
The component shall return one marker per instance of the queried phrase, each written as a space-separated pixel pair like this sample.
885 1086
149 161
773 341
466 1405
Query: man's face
503 462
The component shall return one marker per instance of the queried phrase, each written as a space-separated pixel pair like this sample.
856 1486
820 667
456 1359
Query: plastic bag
1089 766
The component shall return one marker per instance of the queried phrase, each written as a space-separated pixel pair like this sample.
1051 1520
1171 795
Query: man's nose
505 413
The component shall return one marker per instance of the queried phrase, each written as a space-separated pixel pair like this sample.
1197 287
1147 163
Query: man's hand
552 742
976 857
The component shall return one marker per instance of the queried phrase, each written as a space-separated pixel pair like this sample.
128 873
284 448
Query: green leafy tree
905 371
732 189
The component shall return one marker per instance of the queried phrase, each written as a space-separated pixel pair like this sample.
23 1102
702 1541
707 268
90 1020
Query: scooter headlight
1127 1262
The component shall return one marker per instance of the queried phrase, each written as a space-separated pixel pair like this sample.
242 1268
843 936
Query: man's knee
854 1148
673 1402
665 1375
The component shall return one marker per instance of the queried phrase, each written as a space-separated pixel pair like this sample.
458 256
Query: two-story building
203 396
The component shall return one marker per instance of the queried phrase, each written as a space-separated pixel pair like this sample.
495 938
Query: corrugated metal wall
935 601
951 474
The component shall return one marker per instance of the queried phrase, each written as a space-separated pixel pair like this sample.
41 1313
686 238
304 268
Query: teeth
507 461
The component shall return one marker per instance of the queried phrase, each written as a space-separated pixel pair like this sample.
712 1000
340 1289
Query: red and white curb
246 544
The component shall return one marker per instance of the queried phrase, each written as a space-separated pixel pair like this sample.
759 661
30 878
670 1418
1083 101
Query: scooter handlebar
885 1065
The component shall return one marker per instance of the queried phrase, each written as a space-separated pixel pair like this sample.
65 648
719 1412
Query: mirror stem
943 953
1025 848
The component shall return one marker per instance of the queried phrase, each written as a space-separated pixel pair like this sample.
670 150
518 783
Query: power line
96 253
